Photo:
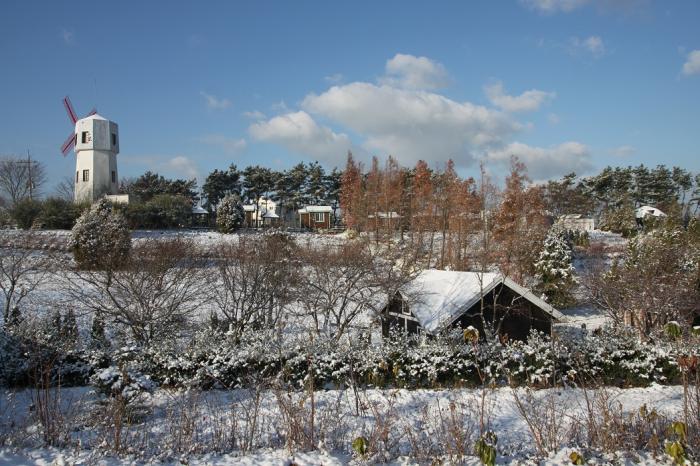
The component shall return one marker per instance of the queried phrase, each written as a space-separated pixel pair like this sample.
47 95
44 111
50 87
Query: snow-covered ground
410 425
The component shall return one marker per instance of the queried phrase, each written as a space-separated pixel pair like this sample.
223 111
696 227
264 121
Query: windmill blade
69 108
92 112
68 145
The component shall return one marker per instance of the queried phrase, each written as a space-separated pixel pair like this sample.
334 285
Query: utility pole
30 182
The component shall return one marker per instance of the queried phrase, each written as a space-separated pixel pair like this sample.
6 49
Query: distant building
383 220
255 215
315 217
576 222
438 299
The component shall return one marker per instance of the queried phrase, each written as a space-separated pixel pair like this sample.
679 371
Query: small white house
264 213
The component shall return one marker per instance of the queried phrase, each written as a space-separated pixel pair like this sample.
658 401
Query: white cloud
68 37
593 45
546 163
554 6
603 6
528 101
334 78
692 63
181 166
254 115
553 118
230 145
411 124
411 72
623 151
298 132
214 103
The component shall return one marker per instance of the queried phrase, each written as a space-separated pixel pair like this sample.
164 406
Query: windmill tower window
86 175
114 140
114 176
85 137
76 176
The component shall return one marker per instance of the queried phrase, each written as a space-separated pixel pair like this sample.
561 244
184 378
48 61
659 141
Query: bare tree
65 189
152 296
21 177
251 281
21 271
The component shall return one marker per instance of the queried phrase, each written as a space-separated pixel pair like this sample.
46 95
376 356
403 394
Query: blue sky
566 85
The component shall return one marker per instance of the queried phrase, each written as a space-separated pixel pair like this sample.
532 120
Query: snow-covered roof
438 297
645 210
270 214
249 208
198 209
310 209
385 215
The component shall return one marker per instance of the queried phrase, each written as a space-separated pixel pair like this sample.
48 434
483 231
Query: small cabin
315 217
437 300
576 222
384 220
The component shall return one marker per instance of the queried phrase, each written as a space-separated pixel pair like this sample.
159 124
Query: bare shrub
21 271
253 282
544 417
152 296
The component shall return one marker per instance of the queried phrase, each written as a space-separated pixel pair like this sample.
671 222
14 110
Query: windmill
70 142
95 154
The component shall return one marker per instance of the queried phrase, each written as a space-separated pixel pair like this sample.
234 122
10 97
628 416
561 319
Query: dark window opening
114 176
114 140
84 137
76 176
86 175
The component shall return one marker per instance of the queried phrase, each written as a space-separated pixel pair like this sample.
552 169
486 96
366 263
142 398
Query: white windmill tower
96 142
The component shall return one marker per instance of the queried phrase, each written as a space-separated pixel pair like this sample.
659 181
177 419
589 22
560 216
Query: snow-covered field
401 426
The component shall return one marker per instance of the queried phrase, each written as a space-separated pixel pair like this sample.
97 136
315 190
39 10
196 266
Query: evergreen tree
315 187
219 183
229 215
70 329
100 238
150 184
98 340
554 271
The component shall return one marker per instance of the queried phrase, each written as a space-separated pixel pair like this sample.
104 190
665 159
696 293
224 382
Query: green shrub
100 238
58 214
25 213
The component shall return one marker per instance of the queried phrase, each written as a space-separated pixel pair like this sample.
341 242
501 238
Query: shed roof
645 210
198 209
438 297
310 209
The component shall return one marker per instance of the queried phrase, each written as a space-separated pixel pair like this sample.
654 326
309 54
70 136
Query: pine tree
98 340
70 329
220 183
554 271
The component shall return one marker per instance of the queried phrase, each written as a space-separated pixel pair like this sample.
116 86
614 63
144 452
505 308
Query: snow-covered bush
100 238
554 270
123 380
229 214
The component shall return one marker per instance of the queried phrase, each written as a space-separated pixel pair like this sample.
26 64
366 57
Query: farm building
315 217
576 222
438 299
